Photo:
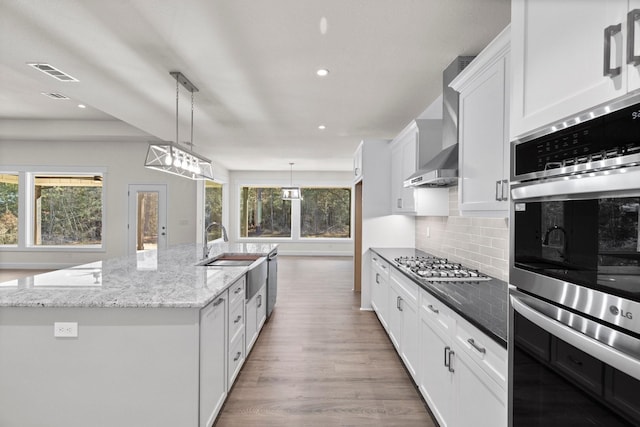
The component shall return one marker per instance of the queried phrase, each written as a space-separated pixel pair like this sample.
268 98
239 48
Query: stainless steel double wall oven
574 338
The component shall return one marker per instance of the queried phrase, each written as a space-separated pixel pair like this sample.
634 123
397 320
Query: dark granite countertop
483 304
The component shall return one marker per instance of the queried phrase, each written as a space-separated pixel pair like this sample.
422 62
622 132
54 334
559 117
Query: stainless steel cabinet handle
377 278
238 354
217 303
238 319
375 259
632 18
505 190
237 291
498 190
447 349
476 346
356 171
451 354
399 203
399 303
609 33
259 301
432 308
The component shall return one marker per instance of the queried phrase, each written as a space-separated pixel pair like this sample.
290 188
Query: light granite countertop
165 278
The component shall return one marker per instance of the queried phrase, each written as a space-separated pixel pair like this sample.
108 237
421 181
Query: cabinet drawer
237 290
236 319
380 267
489 355
236 357
436 312
408 288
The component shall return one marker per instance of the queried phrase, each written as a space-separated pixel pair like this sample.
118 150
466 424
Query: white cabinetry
484 131
256 316
213 354
462 372
403 320
380 289
236 330
569 57
418 143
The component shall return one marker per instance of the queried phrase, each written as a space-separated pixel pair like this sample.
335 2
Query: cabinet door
435 380
479 399
213 350
558 59
410 349
357 164
395 315
403 164
484 136
261 307
251 322
633 67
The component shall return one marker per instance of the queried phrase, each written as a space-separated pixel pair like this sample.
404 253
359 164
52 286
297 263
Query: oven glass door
555 383
593 242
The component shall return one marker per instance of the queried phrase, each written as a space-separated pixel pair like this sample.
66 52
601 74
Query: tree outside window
67 210
9 209
213 208
326 213
263 213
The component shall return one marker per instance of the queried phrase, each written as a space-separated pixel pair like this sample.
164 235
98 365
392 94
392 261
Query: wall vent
54 95
53 72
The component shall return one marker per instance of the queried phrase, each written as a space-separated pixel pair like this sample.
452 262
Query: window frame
26 207
296 214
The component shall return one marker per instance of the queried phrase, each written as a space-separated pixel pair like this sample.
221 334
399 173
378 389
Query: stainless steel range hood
442 170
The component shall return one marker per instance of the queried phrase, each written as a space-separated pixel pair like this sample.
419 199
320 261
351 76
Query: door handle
447 349
498 190
217 303
432 308
399 303
451 354
632 18
237 319
505 190
609 33
473 344
377 278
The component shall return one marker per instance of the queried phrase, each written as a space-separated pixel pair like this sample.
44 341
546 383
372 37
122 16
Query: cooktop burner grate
436 269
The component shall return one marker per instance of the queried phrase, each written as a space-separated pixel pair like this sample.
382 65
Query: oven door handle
550 318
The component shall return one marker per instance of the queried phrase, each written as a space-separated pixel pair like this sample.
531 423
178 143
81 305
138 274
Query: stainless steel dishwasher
272 280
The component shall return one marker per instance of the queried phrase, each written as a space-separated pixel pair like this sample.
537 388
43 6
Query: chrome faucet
205 248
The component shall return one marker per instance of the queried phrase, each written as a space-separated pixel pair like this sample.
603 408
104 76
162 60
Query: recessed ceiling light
82 106
322 127
322 72
52 71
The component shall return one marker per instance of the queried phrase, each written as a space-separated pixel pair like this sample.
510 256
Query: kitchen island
137 357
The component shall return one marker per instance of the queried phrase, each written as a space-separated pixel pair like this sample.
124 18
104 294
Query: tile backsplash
480 243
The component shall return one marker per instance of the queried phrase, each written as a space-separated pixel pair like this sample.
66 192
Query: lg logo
618 312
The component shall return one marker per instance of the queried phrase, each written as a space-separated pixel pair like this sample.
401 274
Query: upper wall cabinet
569 57
418 143
357 164
483 131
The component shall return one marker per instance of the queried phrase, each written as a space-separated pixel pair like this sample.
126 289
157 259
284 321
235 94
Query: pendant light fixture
170 157
291 192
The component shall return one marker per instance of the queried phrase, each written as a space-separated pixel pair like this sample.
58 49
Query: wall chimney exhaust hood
442 170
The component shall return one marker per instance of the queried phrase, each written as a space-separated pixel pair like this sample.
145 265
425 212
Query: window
263 213
67 210
9 209
326 213
213 208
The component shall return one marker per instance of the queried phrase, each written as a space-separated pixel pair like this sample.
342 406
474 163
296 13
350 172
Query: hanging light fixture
291 192
169 156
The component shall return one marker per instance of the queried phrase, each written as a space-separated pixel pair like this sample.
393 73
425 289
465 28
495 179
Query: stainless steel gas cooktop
436 269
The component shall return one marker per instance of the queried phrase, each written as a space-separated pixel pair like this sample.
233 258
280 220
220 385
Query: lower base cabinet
213 357
461 372
255 317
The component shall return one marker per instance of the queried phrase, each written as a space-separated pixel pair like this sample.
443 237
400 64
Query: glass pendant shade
291 193
168 157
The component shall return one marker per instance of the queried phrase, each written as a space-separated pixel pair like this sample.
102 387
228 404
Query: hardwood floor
320 361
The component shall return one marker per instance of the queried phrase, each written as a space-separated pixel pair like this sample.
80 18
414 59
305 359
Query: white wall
338 247
124 164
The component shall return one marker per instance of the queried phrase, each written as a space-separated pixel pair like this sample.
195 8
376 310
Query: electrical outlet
65 329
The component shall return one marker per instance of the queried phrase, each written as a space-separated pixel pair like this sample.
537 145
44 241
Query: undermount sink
231 260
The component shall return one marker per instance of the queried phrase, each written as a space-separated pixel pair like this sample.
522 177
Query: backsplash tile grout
480 243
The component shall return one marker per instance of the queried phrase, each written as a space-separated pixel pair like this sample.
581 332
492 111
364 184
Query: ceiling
254 62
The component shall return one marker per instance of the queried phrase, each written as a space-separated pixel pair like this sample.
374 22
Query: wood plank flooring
320 361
